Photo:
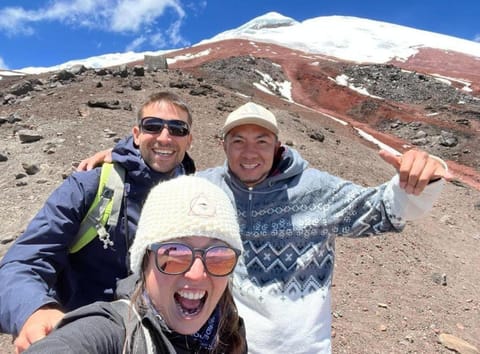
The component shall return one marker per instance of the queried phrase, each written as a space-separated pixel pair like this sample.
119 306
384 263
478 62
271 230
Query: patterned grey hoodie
288 225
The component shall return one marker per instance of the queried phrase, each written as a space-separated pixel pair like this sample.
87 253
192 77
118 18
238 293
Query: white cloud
158 40
14 20
69 11
477 38
123 16
3 65
136 43
132 15
174 34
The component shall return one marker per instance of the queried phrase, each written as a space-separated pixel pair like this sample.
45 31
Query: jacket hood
290 164
126 286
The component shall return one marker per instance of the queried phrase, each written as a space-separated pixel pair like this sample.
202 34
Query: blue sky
47 33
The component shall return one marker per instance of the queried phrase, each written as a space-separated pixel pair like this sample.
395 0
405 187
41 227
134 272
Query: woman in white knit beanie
180 215
186 246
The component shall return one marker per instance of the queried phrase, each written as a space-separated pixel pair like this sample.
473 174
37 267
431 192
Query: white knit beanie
180 207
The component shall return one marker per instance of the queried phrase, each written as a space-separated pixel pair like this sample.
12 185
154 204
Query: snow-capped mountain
347 38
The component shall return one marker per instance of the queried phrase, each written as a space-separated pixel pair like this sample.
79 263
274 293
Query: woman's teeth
192 295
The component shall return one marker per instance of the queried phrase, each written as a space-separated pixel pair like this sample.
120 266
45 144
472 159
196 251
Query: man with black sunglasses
289 216
41 277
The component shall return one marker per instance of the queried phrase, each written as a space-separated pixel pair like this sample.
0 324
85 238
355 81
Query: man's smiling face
250 151
162 151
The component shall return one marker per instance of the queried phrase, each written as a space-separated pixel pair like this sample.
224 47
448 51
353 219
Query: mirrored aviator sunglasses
177 258
154 125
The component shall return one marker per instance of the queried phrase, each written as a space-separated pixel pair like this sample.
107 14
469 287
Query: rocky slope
434 103
397 293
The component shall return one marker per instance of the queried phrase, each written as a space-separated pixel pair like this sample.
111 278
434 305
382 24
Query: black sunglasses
154 125
177 258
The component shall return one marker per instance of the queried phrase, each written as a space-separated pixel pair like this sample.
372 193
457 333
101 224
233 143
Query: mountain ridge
402 40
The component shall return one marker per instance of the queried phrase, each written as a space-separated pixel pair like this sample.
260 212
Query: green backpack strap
105 209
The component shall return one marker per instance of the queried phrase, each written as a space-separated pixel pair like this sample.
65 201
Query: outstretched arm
416 169
29 270
95 160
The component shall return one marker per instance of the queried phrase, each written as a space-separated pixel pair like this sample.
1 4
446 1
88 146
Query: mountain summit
348 38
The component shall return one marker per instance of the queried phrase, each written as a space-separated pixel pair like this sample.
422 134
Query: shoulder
79 188
99 309
86 177
215 174
317 179
94 328
83 181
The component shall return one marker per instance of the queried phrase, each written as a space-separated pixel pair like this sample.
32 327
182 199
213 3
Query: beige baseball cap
251 113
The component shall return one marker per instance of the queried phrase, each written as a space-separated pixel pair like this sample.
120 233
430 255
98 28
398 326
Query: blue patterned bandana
207 335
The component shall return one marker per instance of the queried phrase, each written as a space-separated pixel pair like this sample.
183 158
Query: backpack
141 343
104 210
138 342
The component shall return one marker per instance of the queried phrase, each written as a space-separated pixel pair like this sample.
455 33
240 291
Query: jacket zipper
249 208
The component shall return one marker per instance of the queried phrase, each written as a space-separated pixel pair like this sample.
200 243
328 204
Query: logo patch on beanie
202 206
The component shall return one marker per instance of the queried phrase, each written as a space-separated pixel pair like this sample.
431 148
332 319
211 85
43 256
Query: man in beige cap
289 215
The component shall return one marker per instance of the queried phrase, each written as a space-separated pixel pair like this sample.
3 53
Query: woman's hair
230 334
165 96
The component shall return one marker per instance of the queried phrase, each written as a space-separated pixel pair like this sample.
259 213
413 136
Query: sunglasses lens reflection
174 258
220 260
177 258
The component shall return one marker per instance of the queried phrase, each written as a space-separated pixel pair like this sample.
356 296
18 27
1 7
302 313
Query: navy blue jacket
38 268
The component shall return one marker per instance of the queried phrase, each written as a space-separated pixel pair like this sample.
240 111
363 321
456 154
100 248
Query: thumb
390 158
